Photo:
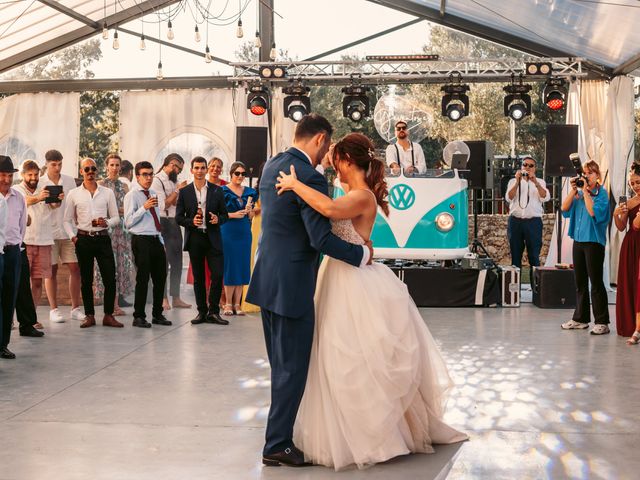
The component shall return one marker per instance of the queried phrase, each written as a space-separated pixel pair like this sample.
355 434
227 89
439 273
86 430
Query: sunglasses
90 169
529 165
401 128
240 174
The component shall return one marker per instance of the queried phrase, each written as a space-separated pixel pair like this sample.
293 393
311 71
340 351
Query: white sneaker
573 325
55 316
600 329
77 314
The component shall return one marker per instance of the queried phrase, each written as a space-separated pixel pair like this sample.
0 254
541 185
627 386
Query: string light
159 74
258 40
198 37
105 31
239 31
116 41
143 45
207 55
170 34
273 53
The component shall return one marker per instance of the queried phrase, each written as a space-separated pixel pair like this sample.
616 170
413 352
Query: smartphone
622 199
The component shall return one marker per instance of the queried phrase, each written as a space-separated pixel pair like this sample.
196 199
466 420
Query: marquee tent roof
604 32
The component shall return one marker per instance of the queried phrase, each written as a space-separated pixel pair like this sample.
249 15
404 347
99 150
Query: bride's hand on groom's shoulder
286 182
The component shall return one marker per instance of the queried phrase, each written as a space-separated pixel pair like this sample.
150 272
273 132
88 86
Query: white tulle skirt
377 383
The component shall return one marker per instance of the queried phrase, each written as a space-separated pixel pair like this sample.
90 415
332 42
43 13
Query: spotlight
258 100
555 93
273 71
455 102
297 103
538 68
517 102
355 103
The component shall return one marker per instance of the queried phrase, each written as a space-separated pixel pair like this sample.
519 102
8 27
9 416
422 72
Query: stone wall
492 232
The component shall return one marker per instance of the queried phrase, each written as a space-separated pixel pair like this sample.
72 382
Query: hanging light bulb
207 55
258 41
273 53
159 75
116 41
170 34
239 31
143 45
105 31
198 37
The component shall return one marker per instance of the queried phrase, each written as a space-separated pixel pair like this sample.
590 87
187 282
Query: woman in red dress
627 217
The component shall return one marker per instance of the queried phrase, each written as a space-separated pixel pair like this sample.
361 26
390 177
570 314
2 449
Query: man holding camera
526 194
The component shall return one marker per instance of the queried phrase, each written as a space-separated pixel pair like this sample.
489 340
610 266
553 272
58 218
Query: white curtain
32 123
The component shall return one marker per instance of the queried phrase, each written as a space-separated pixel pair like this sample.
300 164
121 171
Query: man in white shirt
91 209
126 173
63 251
405 153
526 194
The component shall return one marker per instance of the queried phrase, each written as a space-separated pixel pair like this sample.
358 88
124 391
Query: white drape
32 123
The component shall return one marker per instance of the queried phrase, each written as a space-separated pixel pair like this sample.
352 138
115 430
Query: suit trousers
200 249
151 261
588 262
10 282
25 305
525 232
172 236
288 341
96 248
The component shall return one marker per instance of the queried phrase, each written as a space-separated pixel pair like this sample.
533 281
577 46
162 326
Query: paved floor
187 402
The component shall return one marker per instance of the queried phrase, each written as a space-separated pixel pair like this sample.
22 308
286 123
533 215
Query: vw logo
402 197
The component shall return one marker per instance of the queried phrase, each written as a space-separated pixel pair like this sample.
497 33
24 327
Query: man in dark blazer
201 210
284 280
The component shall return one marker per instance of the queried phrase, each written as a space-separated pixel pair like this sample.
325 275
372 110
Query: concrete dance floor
189 402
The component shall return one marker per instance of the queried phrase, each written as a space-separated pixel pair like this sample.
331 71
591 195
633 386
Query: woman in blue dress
236 237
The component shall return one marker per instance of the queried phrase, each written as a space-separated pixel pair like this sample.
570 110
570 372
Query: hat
6 165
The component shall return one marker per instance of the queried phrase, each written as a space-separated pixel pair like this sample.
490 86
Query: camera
577 165
525 175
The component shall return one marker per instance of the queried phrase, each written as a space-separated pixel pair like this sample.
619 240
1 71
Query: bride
377 384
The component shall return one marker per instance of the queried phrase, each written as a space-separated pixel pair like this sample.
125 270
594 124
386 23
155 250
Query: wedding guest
256 230
201 211
626 216
587 207
25 307
142 218
14 235
91 209
167 187
126 173
236 237
404 153
63 251
120 240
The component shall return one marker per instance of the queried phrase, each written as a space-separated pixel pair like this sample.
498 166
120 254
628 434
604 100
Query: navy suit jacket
293 235
187 207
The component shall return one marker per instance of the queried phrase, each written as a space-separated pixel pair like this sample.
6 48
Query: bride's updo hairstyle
357 149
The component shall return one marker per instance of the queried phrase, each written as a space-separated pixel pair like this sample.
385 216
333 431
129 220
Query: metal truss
385 72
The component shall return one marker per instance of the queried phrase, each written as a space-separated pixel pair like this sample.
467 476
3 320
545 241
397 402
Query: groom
284 280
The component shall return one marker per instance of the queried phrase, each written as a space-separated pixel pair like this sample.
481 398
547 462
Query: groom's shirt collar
303 153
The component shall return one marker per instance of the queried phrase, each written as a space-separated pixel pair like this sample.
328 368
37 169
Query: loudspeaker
251 148
553 287
480 164
562 140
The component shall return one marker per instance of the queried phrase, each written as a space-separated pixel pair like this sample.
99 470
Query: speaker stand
559 216
476 244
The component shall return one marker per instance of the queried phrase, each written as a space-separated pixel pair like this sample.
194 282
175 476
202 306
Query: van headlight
444 221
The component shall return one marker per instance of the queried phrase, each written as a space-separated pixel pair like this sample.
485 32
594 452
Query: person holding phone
236 237
626 216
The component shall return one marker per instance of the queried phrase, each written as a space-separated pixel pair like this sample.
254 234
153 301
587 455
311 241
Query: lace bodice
346 231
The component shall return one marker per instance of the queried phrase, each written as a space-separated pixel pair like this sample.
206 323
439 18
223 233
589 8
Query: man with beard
14 235
166 185
91 209
405 153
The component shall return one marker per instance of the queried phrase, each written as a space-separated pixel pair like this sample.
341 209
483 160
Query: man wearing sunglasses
525 195
404 153
91 209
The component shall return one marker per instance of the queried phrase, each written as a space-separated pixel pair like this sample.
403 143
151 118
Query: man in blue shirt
142 219
587 207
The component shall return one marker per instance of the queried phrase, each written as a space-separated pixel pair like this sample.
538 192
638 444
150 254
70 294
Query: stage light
538 68
355 103
455 102
517 102
258 100
554 94
273 71
297 103
445 221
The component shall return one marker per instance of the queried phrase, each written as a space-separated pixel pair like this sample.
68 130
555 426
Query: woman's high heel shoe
635 338
236 309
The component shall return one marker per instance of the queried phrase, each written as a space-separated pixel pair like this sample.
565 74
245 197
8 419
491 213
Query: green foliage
99 125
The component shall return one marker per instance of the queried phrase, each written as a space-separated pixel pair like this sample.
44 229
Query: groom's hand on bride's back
369 245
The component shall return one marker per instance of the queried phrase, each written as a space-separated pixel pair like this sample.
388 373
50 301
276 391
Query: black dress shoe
217 319
141 322
161 320
30 331
6 353
122 302
289 457
201 318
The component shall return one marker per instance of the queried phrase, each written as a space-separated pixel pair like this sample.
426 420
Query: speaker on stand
251 149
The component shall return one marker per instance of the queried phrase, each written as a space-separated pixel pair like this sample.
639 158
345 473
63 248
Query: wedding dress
377 384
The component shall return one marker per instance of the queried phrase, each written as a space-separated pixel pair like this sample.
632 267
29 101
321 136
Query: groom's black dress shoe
216 318
290 457
201 318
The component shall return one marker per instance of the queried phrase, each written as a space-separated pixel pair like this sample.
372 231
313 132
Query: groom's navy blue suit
284 283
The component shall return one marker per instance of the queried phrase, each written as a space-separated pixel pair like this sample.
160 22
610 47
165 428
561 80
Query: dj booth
450 287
